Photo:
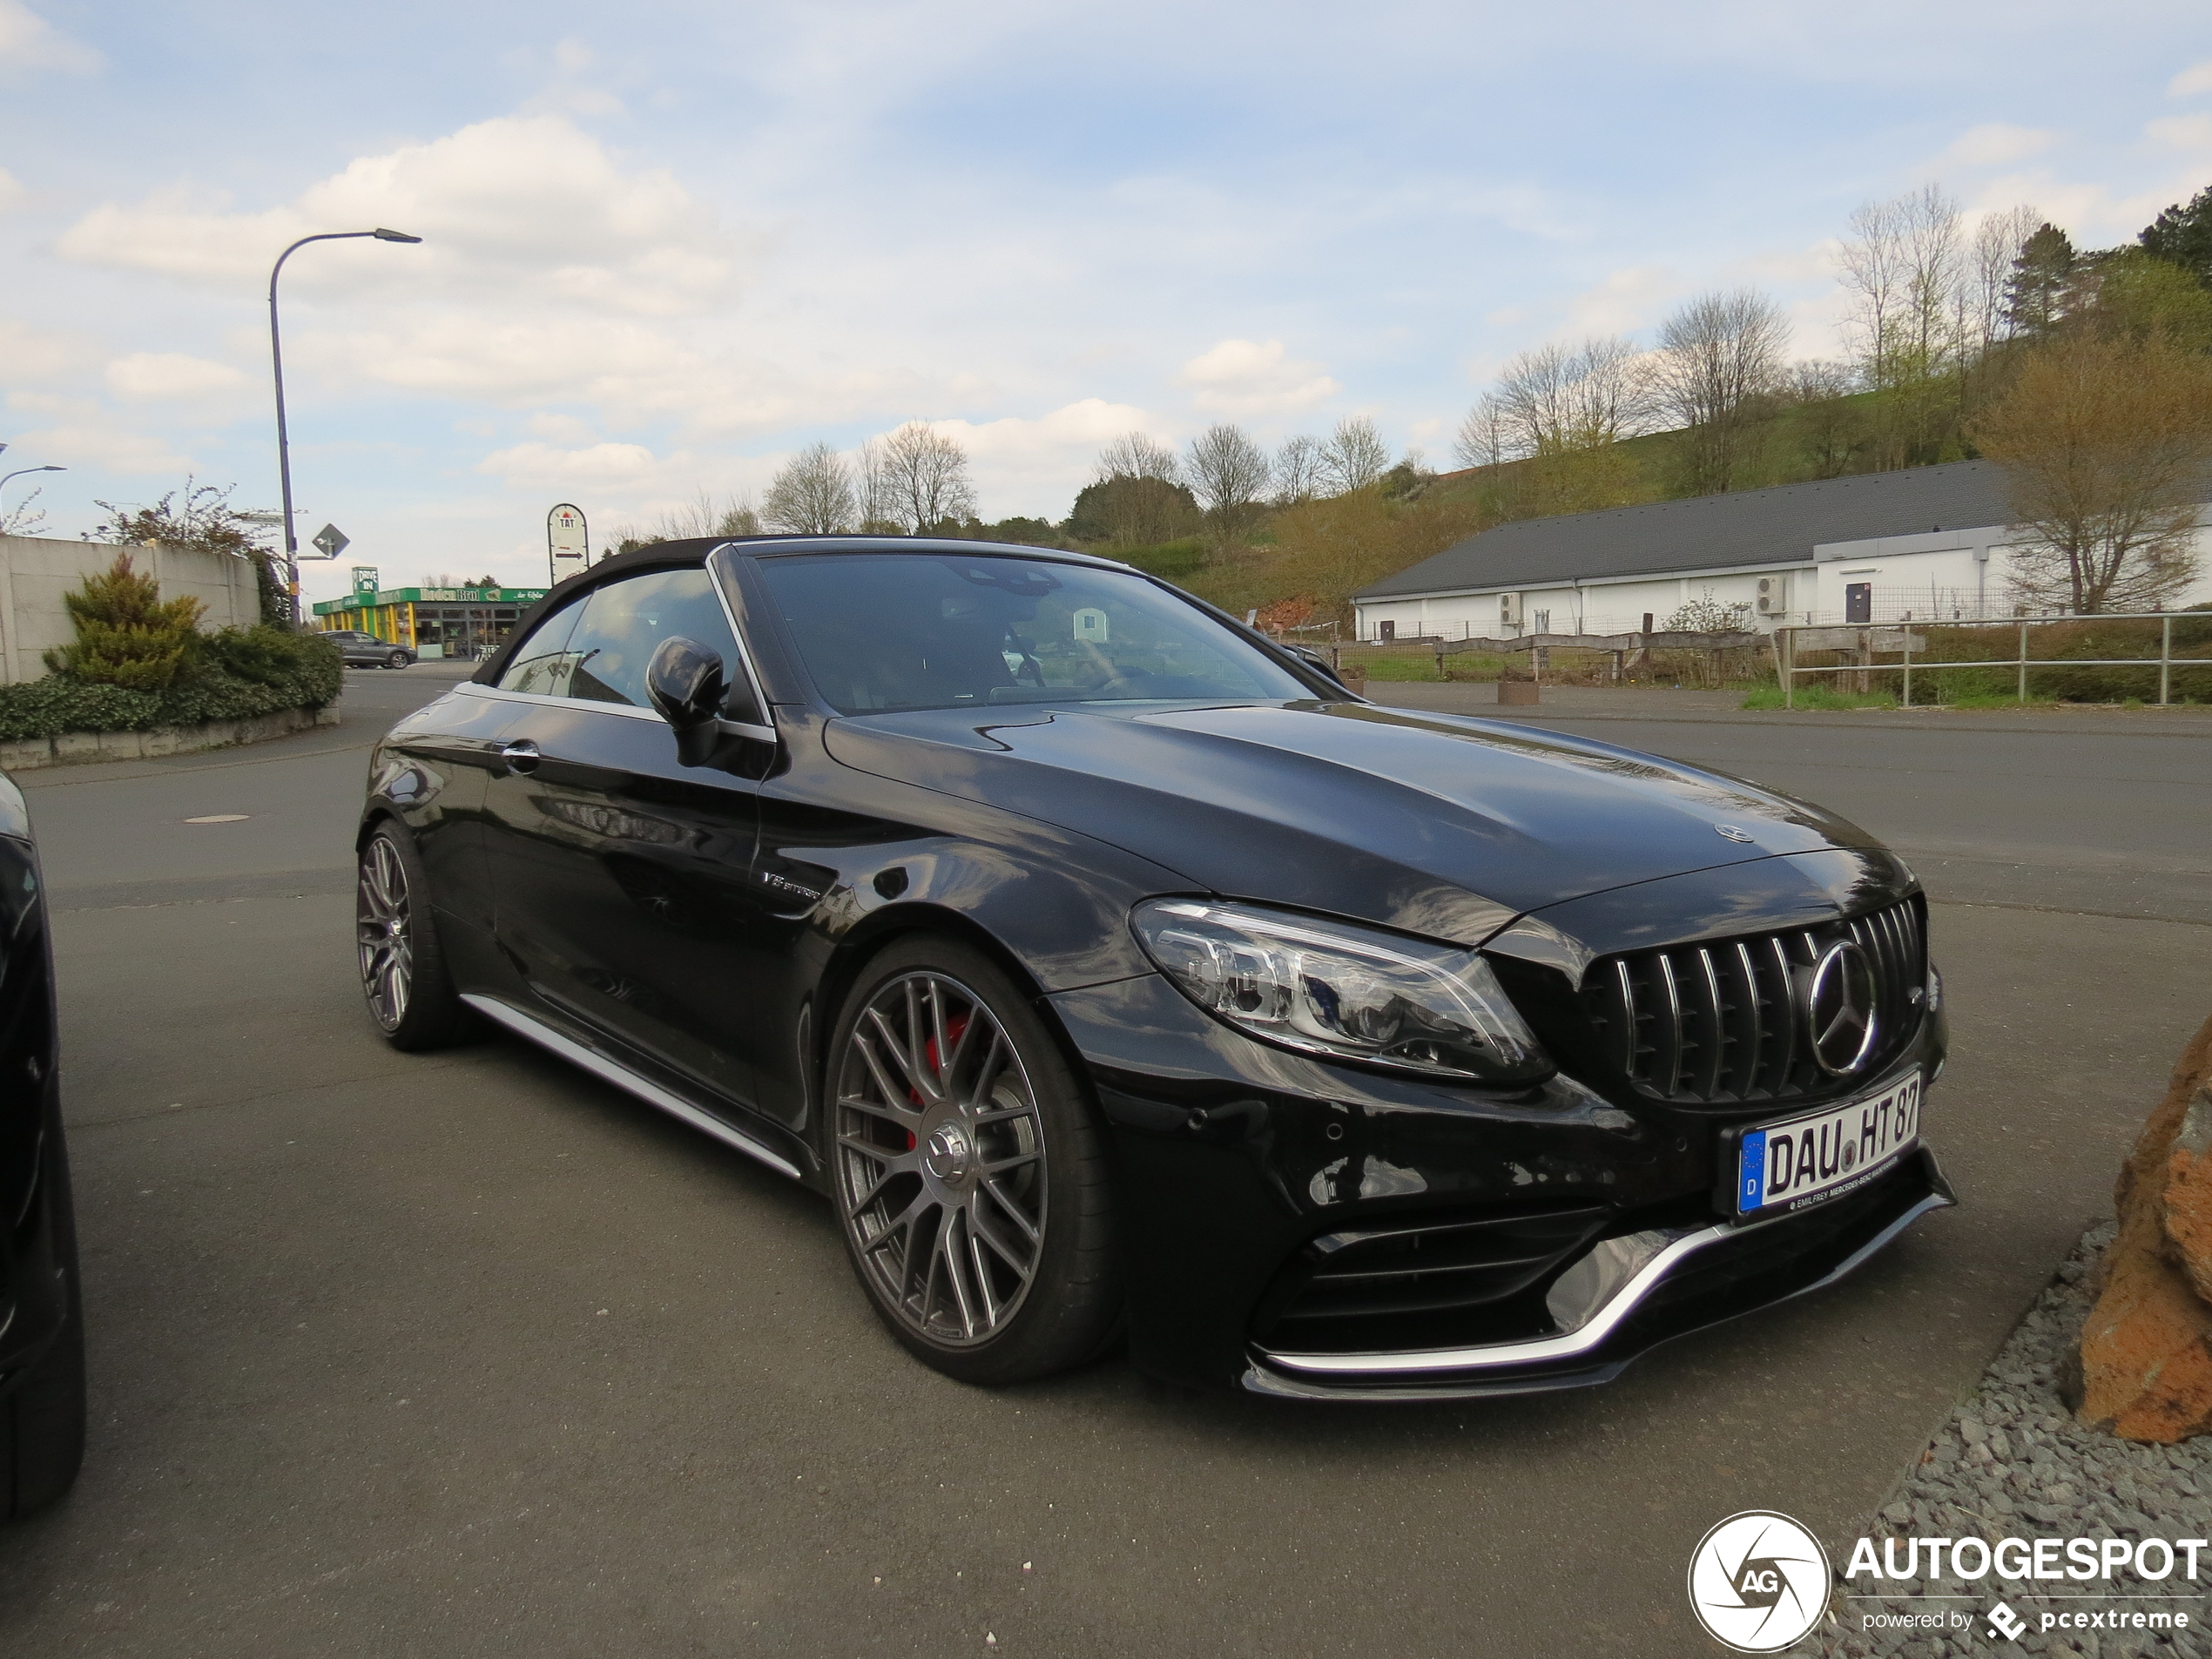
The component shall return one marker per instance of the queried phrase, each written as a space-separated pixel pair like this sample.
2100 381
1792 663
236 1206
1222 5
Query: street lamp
276 362
22 471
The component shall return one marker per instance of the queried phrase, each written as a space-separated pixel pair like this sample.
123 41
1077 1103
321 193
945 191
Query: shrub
291 672
127 634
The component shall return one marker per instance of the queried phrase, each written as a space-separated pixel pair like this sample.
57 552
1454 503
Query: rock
2186 1205
2147 1348
2147 1353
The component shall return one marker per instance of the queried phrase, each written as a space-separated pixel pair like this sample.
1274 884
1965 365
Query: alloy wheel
381 922
940 1159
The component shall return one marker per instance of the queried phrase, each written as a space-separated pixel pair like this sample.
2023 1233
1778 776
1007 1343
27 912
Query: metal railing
1898 638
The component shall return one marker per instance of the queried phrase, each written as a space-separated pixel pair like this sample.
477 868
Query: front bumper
1570 1232
1684 1280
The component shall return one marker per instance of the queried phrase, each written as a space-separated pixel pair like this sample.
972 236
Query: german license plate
1786 1165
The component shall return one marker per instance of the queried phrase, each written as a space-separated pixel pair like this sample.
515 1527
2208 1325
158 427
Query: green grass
1819 696
1401 668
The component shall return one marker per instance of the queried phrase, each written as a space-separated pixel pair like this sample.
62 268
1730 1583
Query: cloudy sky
667 243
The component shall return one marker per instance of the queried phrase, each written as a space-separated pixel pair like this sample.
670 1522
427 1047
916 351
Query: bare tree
1831 430
812 493
1229 475
1904 270
1718 356
1483 435
2106 440
925 478
705 515
1297 470
1135 455
878 509
1556 398
1999 240
23 518
1355 456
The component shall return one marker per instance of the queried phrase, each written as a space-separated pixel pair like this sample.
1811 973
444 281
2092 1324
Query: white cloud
1245 377
521 208
1025 465
28 43
1994 143
618 467
81 436
170 375
1624 301
2195 79
11 190
2187 132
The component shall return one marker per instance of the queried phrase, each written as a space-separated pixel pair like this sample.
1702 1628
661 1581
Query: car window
623 623
892 631
541 663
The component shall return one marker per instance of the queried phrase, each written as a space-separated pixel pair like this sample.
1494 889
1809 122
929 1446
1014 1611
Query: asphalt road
468 1354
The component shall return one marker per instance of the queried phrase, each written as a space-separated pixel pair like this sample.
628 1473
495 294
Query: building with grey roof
1927 543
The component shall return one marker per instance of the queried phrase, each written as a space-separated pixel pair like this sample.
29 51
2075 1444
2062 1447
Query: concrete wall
35 572
1933 577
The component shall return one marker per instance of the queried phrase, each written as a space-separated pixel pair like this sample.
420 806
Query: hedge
235 676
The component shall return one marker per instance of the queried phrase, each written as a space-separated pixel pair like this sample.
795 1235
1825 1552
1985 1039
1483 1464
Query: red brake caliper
929 1054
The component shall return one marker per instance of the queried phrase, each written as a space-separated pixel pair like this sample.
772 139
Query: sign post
332 541
567 536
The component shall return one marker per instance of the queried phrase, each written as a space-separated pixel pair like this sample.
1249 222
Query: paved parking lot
467 1354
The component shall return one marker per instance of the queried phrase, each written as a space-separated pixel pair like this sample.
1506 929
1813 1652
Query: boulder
2146 1349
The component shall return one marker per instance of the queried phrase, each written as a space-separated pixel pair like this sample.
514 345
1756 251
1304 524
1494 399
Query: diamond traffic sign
332 541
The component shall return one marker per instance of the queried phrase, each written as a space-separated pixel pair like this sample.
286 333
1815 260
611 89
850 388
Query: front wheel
404 976
970 1169
397 659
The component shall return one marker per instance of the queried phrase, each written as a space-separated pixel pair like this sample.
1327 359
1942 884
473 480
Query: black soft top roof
694 549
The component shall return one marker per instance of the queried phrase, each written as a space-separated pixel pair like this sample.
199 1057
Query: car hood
1437 824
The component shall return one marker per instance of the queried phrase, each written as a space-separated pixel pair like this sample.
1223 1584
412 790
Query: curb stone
74 748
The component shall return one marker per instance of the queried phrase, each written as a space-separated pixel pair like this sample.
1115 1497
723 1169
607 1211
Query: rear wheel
970 1169
404 977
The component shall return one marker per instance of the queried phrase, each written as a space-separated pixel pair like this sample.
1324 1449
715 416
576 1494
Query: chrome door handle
519 757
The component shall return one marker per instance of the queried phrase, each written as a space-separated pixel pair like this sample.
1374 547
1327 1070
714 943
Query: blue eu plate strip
1750 1171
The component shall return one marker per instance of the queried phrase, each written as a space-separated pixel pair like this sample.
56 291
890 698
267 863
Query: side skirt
621 1077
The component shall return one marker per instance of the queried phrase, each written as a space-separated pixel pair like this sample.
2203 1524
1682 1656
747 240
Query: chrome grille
1718 1023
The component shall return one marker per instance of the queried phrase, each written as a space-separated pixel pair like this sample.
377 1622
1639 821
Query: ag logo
1759 1581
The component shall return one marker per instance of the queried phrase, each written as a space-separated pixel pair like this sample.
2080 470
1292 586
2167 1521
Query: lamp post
276 364
22 471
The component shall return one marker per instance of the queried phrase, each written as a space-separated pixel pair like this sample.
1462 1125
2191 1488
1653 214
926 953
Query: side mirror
685 681
1313 658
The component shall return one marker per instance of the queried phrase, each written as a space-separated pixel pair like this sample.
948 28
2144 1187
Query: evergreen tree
2036 293
2183 236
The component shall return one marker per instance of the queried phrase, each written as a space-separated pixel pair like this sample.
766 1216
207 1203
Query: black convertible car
42 1321
1111 967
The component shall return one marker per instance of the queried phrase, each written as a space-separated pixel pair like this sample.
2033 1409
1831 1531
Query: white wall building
1926 543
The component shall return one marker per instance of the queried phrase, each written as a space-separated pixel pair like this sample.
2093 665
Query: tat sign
567 536
365 579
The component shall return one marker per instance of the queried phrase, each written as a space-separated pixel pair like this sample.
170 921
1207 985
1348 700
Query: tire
979 1220
42 1417
404 980
397 659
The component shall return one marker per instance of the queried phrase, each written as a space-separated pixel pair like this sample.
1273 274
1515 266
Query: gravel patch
2012 1462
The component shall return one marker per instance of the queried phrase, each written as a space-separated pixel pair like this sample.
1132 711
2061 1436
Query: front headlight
1328 988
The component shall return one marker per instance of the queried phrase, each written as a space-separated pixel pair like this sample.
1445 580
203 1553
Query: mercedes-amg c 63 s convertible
1111 967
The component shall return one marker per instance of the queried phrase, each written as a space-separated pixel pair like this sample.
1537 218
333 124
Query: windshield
904 630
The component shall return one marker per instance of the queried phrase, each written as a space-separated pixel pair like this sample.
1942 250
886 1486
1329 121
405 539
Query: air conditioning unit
1774 595
1509 610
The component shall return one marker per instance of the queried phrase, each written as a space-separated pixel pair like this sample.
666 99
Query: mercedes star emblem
1840 1008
